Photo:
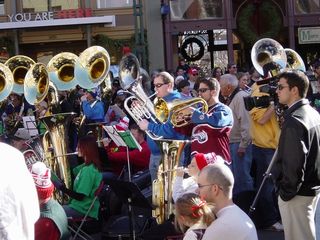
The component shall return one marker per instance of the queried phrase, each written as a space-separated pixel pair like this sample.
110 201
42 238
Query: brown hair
194 209
89 149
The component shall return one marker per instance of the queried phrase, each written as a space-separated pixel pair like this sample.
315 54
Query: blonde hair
192 207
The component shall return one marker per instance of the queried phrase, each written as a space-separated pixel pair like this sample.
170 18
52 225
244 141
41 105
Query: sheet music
114 135
122 138
29 123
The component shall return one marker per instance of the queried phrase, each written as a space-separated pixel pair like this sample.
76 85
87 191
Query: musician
183 185
164 86
19 139
88 178
139 160
211 130
93 108
53 222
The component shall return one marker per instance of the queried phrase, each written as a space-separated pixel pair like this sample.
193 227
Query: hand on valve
143 124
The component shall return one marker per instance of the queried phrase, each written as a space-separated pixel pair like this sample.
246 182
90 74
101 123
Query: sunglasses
280 87
159 85
203 90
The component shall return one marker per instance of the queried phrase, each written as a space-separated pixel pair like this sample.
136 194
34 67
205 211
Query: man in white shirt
215 184
19 206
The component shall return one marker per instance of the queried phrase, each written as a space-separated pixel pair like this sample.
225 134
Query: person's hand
143 124
180 172
106 141
58 184
241 152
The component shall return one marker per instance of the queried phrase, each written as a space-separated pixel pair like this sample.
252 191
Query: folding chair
76 224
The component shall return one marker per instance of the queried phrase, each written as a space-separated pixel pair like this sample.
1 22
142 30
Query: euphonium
294 61
94 67
268 51
179 112
129 73
19 66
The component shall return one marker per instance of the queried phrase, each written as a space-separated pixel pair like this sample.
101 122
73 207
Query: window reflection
1 7
114 3
195 9
49 5
307 6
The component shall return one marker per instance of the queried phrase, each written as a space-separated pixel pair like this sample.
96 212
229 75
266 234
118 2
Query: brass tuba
268 51
37 87
94 67
19 65
6 82
179 112
61 70
294 61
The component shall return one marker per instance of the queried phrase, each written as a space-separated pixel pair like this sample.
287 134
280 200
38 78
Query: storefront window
195 9
114 3
307 6
50 5
1 7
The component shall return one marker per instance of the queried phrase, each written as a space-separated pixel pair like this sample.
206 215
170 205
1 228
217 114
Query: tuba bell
61 70
36 84
19 66
266 52
179 112
6 82
94 67
294 61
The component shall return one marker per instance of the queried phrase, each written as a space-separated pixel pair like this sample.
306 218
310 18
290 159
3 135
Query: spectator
232 68
297 162
19 208
193 214
215 184
240 139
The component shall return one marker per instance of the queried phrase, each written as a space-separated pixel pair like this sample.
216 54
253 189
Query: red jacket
138 160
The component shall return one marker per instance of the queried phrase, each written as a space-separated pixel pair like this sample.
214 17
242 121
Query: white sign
308 35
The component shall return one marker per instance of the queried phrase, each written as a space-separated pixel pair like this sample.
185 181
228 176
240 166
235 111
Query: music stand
130 194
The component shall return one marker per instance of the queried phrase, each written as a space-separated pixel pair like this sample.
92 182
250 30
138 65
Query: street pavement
262 234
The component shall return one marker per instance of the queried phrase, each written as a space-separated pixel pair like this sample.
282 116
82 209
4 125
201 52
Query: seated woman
87 180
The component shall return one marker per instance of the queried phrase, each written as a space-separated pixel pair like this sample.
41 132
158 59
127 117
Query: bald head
220 174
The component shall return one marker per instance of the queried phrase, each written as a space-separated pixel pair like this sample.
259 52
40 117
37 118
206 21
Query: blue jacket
165 130
95 113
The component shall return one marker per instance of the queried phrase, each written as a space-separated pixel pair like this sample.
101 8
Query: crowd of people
229 148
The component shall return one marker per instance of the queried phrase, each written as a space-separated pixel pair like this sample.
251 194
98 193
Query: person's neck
212 101
222 203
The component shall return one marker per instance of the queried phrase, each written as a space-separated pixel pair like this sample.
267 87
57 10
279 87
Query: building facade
208 33
41 29
199 29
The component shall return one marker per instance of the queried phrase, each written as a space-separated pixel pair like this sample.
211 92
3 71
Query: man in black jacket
297 163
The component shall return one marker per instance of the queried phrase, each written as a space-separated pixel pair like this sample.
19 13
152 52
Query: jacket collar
295 106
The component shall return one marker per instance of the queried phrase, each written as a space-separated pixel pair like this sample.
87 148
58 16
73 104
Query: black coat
296 170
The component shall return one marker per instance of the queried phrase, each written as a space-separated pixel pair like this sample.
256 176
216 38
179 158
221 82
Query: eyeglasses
203 90
159 85
195 74
280 87
234 67
206 185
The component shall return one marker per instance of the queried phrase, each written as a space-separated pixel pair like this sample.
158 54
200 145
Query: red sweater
46 229
118 157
